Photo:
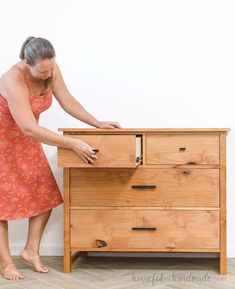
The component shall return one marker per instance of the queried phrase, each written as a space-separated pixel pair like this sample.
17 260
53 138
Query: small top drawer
187 149
111 150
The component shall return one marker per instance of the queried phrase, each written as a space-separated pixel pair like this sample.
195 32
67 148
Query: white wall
144 63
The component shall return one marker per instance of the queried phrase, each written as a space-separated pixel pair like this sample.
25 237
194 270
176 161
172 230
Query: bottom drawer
144 229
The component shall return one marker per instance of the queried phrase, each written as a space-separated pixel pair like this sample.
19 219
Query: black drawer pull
182 149
143 229
186 172
150 187
95 150
191 163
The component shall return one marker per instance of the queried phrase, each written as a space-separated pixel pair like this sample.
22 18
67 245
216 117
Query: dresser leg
223 264
67 261
67 252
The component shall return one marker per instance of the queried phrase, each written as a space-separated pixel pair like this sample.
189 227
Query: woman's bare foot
10 272
34 260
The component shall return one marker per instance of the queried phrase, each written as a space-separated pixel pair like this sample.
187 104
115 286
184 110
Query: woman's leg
30 253
7 267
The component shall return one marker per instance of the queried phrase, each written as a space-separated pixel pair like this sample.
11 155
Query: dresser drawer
112 151
144 187
144 229
184 149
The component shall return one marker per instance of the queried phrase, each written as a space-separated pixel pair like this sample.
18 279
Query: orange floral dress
27 185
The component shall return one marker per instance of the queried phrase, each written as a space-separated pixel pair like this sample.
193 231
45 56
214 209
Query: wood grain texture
223 247
174 229
174 201
67 252
142 130
114 151
161 187
182 149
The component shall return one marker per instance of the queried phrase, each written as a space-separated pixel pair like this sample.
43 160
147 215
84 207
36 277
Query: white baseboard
44 251
58 251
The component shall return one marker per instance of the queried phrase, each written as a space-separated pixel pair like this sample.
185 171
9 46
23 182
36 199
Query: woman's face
43 69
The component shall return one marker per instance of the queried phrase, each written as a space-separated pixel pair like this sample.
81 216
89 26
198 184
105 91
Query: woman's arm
16 93
73 107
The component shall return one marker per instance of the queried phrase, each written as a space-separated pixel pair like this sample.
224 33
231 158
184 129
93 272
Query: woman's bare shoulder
13 76
12 79
16 71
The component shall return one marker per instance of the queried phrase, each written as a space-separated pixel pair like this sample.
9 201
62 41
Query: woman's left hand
108 124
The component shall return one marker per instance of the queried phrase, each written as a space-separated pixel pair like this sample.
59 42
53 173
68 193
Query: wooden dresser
151 190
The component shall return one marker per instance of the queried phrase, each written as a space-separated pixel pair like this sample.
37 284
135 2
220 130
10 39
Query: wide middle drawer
144 187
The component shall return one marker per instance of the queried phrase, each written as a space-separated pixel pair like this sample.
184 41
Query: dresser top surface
140 130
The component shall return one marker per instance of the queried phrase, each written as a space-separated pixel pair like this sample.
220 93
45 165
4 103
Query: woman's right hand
83 150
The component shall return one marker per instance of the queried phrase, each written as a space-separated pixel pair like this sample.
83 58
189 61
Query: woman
27 185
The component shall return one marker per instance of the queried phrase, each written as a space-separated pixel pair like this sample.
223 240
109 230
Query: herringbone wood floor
125 273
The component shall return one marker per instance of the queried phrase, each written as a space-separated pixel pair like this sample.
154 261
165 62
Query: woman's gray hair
35 49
